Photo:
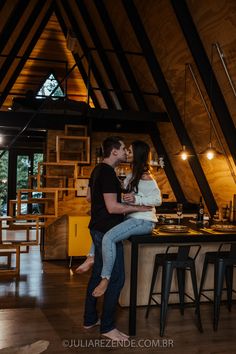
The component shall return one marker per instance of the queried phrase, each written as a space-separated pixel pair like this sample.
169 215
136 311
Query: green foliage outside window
3 180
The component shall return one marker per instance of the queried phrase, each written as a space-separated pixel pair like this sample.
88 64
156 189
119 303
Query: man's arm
114 207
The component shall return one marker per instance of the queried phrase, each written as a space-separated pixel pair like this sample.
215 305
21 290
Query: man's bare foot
84 267
101 288
115 335
95 324
124 335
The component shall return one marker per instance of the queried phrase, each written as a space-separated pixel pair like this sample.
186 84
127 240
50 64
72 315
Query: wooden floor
46 303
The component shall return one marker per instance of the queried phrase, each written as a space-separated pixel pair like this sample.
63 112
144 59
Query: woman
141 189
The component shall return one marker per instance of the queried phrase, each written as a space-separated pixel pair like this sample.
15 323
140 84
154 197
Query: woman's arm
153 199
115 207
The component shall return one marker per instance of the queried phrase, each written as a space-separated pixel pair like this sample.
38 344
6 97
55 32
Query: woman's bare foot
101 288
115 335
84 267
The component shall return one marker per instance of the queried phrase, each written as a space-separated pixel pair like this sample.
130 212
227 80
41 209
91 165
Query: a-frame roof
132 55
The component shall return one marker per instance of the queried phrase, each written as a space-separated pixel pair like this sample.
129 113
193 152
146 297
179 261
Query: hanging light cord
212 122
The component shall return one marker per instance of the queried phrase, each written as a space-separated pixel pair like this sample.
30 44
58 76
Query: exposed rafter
2 3
128 73
170 173
207 74
76 56
102 54
169 102
153 129
21 39
75 27
12 22
23 60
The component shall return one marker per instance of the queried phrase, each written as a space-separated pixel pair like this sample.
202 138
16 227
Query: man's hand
143 208
128 198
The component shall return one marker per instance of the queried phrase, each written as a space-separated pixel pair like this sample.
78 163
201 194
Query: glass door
22 175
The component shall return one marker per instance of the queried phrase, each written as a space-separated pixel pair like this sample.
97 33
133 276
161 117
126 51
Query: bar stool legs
218 286
195 291
229 285
182 263
181 286
165 292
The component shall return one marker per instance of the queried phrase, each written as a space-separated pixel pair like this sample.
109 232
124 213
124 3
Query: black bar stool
181 261
224 263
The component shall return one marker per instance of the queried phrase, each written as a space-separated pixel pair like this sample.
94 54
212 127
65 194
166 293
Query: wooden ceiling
132 55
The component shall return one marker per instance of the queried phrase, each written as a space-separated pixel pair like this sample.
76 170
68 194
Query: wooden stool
8 249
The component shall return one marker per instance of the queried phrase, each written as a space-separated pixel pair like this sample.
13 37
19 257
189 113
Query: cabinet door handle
75 230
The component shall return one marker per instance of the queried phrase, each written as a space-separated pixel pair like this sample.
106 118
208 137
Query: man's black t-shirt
103 180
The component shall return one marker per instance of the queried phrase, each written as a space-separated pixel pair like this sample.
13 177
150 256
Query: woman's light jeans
122 231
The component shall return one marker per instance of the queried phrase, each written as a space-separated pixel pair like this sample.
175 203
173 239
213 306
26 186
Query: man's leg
90 313
113 292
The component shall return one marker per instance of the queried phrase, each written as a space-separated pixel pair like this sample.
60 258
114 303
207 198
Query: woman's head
139 157
139 153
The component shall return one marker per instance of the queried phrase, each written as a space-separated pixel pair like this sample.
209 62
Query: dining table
198 235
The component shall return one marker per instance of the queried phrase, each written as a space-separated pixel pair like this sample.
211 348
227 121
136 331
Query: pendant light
210 152
184 153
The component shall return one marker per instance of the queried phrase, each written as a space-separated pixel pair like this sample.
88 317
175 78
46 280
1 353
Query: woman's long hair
140 164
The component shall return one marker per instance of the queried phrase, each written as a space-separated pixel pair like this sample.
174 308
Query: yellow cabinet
79 240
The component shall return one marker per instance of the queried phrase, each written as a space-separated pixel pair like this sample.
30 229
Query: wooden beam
128 115
128 73
2 3
102 54
124 63
170 173
207 74
57 121
24 58
169 102
12 22
76 56
75 28
20 39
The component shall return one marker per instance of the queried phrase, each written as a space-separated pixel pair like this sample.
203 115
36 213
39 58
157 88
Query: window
49 85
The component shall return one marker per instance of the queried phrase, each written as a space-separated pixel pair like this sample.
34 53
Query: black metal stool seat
224 262
181 261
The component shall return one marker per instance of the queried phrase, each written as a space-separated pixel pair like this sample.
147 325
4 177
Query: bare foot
101 288
84 267
124 335
115 335
95 324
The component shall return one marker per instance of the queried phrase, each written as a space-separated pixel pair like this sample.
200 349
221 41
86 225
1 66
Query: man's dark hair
112 142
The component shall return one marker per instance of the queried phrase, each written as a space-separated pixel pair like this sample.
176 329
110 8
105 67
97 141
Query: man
107 211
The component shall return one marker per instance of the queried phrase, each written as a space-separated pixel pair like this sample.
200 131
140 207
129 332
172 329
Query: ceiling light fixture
184 153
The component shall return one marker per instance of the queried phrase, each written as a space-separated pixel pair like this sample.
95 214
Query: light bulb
210 154
184 155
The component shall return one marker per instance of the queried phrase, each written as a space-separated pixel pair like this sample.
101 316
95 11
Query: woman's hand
128 198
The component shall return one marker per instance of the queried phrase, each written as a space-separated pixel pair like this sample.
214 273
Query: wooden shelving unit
73 149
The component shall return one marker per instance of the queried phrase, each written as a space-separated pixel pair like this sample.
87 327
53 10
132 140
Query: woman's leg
88 263
124 230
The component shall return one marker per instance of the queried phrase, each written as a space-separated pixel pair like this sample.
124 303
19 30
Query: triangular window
48 86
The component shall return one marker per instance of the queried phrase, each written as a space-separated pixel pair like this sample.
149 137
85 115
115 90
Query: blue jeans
112 293
122 231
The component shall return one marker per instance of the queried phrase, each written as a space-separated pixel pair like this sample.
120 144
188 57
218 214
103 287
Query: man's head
114 148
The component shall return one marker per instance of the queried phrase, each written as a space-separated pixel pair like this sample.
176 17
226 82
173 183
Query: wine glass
179 211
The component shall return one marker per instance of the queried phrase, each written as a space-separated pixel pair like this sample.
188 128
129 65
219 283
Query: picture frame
81 185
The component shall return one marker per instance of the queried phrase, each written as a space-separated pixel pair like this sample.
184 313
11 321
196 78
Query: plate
224 228
174 228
